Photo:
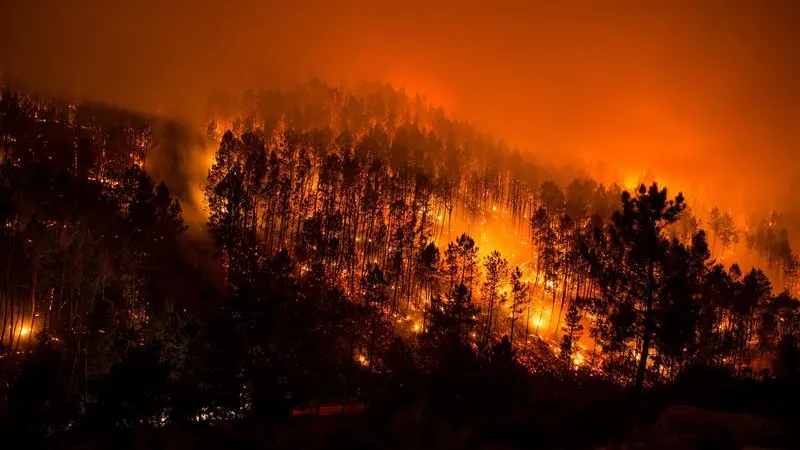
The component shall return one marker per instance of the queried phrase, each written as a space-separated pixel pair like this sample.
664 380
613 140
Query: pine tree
519 299
573 330
496 268
627 260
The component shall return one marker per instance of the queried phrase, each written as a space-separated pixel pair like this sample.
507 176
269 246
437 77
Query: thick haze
701 93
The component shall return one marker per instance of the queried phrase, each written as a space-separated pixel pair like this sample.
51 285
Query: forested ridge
371 248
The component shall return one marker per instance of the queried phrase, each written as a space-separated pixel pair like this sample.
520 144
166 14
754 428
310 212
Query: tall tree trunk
513 319
648 328
563 300
33 298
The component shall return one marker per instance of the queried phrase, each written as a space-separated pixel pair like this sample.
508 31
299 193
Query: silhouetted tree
572 331
628 259
519 299
496 273
723 227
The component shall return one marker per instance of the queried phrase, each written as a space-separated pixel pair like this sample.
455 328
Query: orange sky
704 93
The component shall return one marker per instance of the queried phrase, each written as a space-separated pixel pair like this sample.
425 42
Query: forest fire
571 231
440 211
344 222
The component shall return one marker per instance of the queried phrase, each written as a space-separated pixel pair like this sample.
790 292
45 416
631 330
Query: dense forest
367 248
363 187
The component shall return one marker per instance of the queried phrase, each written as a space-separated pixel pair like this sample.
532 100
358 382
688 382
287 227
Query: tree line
363 201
